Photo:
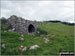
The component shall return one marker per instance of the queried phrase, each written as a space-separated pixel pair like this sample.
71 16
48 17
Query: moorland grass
61 38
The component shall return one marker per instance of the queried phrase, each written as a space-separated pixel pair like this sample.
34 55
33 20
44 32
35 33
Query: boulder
3 45
34 47
21 38
22 48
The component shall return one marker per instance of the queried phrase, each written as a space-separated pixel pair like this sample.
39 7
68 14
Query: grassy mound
61 38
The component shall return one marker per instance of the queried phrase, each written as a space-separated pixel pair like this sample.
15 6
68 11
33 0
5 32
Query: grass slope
61 38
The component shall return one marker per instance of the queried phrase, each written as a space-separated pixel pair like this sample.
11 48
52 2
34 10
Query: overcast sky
39 10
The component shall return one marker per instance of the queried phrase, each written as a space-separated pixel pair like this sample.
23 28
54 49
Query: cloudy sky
39 10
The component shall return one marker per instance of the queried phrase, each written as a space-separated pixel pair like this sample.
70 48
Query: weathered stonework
21 25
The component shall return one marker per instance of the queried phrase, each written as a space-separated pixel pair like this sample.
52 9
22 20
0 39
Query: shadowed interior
31 28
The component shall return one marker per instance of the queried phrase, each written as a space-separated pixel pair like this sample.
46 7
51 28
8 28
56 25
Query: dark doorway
31 28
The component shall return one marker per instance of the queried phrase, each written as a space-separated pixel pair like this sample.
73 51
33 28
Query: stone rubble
3 45
46 40
11 30
21 38
34 47
22 48
5 31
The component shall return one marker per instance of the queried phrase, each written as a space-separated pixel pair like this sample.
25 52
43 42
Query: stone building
21 25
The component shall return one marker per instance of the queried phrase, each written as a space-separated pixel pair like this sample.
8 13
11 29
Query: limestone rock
34 47
46 40
3 45
5 31
21 38
11 30
22 48
21 25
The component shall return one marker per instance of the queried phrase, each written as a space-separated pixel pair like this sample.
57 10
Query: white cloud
39 10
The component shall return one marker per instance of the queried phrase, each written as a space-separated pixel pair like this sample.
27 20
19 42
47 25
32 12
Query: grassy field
61 38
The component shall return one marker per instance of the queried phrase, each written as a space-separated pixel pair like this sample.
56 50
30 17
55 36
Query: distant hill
66 23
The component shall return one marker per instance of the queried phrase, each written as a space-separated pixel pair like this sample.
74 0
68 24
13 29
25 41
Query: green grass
61 38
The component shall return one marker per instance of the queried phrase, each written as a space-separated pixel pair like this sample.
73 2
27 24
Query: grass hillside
61 38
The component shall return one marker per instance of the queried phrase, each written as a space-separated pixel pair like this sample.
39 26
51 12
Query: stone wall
21 25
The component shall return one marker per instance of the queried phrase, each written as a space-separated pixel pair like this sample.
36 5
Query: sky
39 10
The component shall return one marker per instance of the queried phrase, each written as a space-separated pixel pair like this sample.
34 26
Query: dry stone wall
21 25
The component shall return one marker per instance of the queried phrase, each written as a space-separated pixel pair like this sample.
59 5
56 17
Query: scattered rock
22 48
5 31
34 47
21 38
3 45
11 30
46 40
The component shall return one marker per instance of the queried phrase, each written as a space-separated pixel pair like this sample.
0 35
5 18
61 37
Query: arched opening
31 28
